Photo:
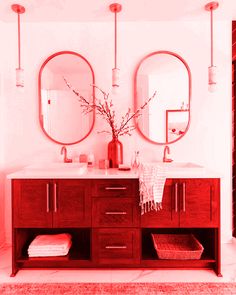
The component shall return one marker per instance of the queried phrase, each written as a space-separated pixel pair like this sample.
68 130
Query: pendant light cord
115 39
19 51
211 37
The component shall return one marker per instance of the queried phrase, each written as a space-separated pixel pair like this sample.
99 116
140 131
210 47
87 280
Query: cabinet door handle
115 212
176 197
184 197
47 197
55 197
109 188
211 192
116 247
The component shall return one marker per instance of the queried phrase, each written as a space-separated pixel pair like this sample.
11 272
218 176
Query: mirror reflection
61 116
166 118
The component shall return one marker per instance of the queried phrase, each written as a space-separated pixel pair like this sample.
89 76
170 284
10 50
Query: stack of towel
152 179
50 245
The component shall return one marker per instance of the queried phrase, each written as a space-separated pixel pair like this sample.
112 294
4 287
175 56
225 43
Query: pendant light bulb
19 77
17 8
212 81
115 77
212 78
115 8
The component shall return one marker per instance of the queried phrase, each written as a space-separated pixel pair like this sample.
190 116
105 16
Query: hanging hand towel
152 179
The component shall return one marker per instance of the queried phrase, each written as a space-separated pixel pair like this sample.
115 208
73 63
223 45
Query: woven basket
177 246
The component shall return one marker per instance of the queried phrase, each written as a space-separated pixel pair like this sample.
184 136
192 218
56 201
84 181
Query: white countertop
95 173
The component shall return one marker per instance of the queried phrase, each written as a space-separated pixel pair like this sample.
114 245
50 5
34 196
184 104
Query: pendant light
115 8
17 8
212 69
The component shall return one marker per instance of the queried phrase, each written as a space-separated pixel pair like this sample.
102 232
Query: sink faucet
166 150
64 150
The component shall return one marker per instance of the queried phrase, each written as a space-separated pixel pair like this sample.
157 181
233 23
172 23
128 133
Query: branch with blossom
106 111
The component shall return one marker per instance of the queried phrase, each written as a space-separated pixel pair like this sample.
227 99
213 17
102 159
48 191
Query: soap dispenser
91 160
135 161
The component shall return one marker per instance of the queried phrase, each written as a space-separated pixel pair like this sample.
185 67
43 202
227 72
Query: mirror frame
39 95
135 93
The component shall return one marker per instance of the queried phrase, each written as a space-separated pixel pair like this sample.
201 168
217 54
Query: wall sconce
19 71
115 8
212 69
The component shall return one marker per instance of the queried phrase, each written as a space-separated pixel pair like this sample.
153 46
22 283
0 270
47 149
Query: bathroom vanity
100 209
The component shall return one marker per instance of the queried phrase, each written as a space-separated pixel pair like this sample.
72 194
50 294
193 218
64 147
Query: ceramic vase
115 153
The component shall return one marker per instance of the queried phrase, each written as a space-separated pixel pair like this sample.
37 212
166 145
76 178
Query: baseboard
233 240
226 237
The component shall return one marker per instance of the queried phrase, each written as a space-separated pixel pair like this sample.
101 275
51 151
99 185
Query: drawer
115 187
116 246
115 212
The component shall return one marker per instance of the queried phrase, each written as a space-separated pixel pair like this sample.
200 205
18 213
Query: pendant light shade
19 71
212 78
115 8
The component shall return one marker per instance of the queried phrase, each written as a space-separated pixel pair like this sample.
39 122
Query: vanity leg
218 253
14 271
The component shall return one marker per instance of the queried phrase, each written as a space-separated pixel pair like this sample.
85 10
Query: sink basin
181 167
57 168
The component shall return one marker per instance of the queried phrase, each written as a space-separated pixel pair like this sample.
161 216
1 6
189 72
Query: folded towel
51 248
50 240
50 245
152 179
50 252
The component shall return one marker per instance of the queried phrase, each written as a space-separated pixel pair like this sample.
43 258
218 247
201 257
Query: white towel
50 245
152 179
46 253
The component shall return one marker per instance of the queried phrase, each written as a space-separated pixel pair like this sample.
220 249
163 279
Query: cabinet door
71 203
199 202
168 216
31 203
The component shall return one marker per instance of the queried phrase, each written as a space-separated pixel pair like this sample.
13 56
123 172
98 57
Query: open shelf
204 236
79 252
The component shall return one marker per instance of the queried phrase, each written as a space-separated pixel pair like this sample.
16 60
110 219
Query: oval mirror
166 118
61 116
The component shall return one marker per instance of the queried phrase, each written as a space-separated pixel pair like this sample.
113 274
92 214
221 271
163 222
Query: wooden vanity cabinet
31 203
116 222
199 202
51 203
186 203
115 203
190 206
46 206
116 247
168 216
72 203
104 218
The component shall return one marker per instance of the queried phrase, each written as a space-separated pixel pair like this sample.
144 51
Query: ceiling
98 10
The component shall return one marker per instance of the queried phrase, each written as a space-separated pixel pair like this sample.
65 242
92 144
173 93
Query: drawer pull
121 188
184 197
55 197
176 197
116 213
47 196
116 247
